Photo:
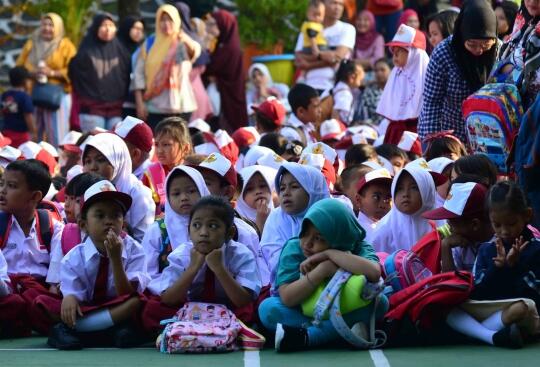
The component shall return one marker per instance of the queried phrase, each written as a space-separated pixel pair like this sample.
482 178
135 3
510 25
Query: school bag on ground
206 328
402 269
492 118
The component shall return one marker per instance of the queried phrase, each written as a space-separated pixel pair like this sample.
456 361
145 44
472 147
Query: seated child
505 272
329 238
349 182
397 156
211 267
443 166
269 116
360 153
107 155
69 151
444 144
173 144
13 308
413 193
374 198
349 78
298 187
256 198
312 29
306 111
139 140
476 164
26 250
100 277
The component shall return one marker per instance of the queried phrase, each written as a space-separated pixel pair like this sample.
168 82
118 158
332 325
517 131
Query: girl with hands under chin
330 239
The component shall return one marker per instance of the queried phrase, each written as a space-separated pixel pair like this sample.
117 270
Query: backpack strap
165 247
156 177
5 227
45 228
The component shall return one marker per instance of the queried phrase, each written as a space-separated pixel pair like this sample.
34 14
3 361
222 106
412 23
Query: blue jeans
272 311
387 25
90 122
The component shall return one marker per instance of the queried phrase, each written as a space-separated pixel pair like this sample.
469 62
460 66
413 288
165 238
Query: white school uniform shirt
343 101
3 269
367 223
237 259
25 254
340 34
292 134
139 171
80 269
247 235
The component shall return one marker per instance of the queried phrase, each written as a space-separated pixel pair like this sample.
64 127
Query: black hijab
476 20
125 29
100 70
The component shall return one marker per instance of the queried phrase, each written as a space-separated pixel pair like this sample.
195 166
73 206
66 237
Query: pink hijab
407 13
365 40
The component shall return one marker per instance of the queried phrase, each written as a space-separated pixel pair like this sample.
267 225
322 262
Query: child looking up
173 144
107 155
374 198
401 100
100 276
330 238
413 193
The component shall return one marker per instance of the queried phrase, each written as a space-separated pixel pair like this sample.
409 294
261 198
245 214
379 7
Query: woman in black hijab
99 73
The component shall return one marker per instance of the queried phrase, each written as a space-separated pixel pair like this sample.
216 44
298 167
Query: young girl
330 238
108 156
440 26
476 164
100 276
413 193
444 144
298 187
401 99
173 144
211 267
349 78
256 199
505 272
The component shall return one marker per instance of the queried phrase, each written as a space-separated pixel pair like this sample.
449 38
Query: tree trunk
128 7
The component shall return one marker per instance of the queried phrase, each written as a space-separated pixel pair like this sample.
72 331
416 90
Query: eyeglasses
479 46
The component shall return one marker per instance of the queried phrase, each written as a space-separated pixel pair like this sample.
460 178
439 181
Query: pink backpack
71 237
206 328
404 268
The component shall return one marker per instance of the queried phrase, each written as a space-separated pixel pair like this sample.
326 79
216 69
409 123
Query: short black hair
390 151
275 141
82 182
446 20
36 174
477 164
18 76
221 206
442 146
347 68
508 195
359 153
300 95
313 3
265 123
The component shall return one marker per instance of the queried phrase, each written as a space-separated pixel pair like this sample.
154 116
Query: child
269 116
401 100
443 166
374 198
100 277
298 187
360 153
413 193
476 164
75 190
173 144
70 152
312 29
506 271
107 155
12 306
306 110
210 255
329 238
139 140
27 253
349 179
440 26
18 110
365 109
397 156
444 144
349 77
256 198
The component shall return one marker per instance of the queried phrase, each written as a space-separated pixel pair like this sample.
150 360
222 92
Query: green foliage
268 22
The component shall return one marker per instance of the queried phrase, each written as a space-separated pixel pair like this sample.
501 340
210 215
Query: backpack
44 225
428 249
165 247
156 177
404 268
327 105
204 328
71 237
527 148
492 117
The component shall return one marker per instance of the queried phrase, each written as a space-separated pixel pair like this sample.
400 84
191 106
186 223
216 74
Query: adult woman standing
161 76
227 67
459 66
47 55
100 75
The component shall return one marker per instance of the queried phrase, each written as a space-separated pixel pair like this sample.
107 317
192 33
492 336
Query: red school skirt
153 311
13 320
395 130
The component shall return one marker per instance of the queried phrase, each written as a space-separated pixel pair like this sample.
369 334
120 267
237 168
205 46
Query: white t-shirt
340 34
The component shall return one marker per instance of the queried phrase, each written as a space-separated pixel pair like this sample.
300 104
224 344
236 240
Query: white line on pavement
378 358
252 358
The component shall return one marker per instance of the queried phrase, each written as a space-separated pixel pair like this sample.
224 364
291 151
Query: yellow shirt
57 61
319 39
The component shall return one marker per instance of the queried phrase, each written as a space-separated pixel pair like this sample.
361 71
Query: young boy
17 109
269 116
306 110
397 156
312 29
139 140
374 198
27 252
349 179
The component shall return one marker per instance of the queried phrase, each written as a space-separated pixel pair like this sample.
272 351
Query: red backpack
428 249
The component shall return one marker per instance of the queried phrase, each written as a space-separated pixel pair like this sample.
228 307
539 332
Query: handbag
48 96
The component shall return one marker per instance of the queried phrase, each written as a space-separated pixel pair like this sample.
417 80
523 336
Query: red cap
410 142
4 140
32 150
245 136
219 164
332 129
136 132
272 109
463 201
379 175
408 37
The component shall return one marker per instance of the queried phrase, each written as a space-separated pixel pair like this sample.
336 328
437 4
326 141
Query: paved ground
33 352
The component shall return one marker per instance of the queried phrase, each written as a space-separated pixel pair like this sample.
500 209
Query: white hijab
178 224
401 231
269 175
402 96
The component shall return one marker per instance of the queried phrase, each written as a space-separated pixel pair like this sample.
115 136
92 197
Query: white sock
467 325
494 322
99 320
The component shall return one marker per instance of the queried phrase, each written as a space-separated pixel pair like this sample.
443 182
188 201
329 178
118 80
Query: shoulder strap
165 247
156 176
45 228
5 226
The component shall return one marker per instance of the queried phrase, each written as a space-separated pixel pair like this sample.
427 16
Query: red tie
209 291
100 287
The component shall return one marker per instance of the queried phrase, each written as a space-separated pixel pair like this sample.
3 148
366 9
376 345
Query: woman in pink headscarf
409 17
369 46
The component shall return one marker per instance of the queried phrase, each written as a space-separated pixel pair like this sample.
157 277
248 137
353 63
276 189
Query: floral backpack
206 328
